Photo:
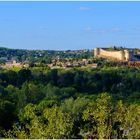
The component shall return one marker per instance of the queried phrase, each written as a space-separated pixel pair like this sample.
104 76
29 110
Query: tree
66 92
24 75
12 93
75 108
126 121
50 123
53 76
59 124
12 77
7 114
99 117
32 92
131 124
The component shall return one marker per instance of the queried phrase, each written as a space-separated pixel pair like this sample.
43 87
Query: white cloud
82 8
102 31
110 30
116 29
88 29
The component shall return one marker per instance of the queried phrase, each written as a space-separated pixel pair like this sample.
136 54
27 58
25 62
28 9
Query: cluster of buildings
68 63
12 63
76 51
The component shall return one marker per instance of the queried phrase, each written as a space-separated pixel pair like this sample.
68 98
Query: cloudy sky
69 25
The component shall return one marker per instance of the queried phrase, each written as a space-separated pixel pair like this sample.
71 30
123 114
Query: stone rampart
119 55
122 55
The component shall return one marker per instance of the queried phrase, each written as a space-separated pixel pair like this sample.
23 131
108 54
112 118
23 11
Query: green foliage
49 123
59 124
104 120
31 92
24 75
127 120
7 114
99 115
42 103
75 107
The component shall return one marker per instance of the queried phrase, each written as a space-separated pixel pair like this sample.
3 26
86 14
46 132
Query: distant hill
39 55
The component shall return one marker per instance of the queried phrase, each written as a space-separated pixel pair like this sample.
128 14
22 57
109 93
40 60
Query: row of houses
72 63
12 63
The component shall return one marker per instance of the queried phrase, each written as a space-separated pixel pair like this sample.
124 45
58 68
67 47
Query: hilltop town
97 57
12 58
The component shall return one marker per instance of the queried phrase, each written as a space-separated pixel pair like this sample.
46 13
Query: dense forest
38 102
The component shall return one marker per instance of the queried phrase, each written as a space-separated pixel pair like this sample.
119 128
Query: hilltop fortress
121 55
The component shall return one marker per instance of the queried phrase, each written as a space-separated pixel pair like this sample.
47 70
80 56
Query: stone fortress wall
122 55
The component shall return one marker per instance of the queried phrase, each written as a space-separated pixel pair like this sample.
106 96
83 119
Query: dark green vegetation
92 103
44 56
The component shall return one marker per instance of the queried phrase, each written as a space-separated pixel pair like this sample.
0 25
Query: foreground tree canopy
91 103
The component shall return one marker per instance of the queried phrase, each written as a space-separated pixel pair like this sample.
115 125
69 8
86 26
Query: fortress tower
122 55
96 52
127 56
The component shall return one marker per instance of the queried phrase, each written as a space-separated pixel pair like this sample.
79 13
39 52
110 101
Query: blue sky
69 25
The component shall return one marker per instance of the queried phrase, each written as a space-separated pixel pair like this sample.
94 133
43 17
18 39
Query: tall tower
127 56
96 52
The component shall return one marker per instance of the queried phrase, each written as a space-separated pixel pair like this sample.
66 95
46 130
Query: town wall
123 55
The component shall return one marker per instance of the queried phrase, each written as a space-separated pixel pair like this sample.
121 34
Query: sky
69 25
